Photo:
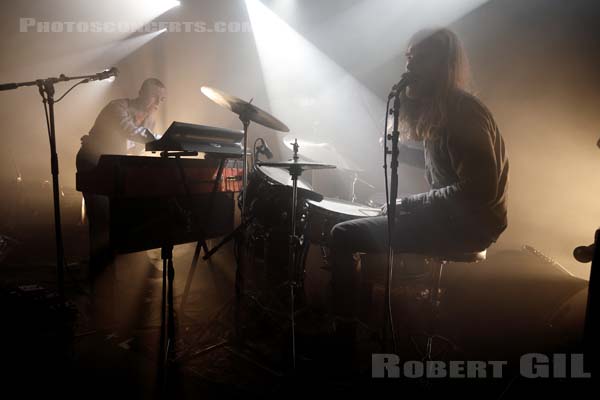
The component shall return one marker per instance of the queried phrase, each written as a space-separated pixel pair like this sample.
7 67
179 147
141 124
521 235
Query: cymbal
244 109
282 177
323 152
291 164
285 180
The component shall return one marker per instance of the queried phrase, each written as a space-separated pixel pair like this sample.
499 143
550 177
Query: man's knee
340 235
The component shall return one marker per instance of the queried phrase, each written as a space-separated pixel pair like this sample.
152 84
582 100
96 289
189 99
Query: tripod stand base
236 232
167 332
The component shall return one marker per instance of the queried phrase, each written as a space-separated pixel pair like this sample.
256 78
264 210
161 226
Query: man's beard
411 112
422 117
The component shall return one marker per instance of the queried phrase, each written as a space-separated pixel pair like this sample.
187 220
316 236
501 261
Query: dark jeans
98 214
422 233
100 273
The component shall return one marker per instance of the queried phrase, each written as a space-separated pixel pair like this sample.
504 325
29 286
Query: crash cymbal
244 109
323 153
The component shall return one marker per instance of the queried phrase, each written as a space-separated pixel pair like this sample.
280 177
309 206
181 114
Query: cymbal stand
353 195
294 244
356 179
246 122
244 117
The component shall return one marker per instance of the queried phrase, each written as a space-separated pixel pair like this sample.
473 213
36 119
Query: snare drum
323 215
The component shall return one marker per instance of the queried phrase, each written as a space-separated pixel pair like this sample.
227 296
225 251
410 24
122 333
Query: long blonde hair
422 119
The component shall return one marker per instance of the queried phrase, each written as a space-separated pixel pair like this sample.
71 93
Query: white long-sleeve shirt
116 128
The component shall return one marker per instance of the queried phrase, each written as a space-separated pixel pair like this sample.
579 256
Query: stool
439 261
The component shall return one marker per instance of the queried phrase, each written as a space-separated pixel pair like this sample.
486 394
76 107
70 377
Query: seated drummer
122 127
465 162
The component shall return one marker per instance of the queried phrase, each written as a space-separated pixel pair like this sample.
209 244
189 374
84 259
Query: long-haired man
465 163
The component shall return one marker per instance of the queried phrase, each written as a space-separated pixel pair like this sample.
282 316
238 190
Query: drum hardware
325 255
269 196
272 182
295 169
266 251
247 112
323 152
356 179
318 152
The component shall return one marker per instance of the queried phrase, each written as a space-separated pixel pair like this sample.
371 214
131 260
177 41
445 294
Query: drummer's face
424 61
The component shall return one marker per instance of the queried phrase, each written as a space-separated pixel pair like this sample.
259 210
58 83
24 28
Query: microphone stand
391 214
46 89
585 254
591 310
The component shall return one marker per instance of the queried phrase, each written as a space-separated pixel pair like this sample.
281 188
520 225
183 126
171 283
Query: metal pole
47 88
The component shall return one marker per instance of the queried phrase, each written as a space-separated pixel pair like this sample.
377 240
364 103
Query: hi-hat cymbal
244 109
291 164
323 152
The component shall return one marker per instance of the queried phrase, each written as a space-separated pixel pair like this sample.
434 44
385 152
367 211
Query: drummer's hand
384 209
399 208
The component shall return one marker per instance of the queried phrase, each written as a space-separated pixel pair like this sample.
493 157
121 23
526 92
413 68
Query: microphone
407 79
584 254
264 149
108 73
8 86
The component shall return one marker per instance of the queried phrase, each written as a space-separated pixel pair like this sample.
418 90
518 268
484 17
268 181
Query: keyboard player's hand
149 135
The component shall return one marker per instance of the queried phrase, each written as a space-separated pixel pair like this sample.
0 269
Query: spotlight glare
158 7
319 100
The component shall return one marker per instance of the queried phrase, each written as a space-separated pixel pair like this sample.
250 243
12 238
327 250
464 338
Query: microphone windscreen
584 254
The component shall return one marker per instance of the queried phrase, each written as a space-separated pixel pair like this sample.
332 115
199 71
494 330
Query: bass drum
269 197
323 215
266 241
